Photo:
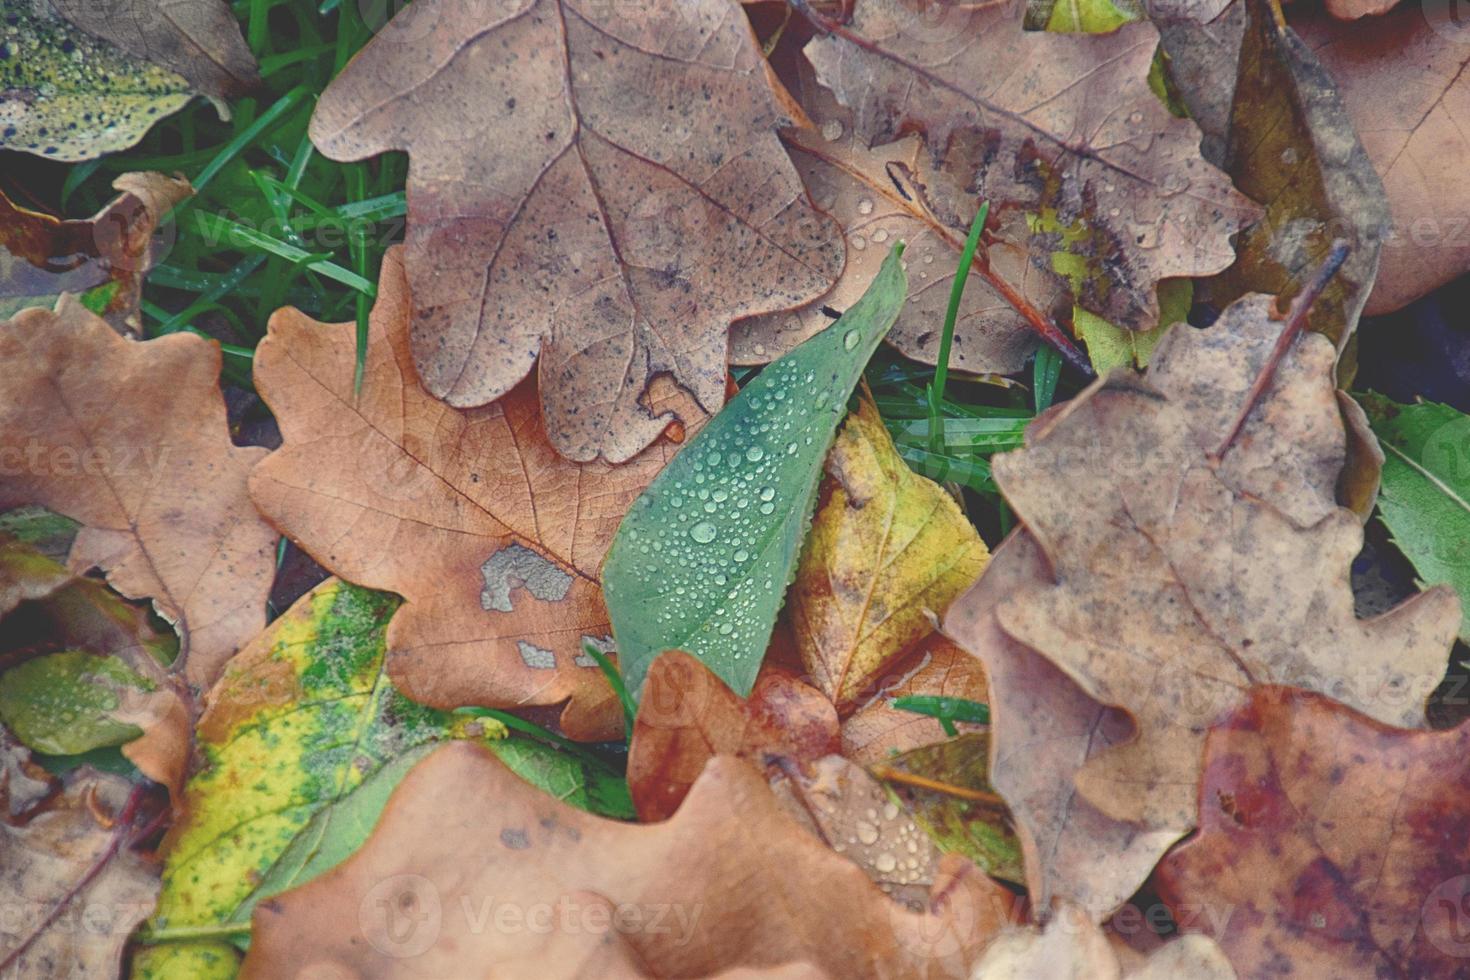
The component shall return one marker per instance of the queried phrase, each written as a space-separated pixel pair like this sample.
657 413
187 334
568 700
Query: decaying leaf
731 877
1335 840
492 538
1261 595
1291 146
102 259
131 440
82 79
73 886
887 553
946 787
936 668
854 815
24 786
880 195
1426 490
702 560
599 188
1085 169
1071 946
303 739
687 716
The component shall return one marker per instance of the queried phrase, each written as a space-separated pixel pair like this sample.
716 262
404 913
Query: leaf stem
890 775
1296 321
184 934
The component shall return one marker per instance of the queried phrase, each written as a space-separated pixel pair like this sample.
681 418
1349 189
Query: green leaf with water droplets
702 560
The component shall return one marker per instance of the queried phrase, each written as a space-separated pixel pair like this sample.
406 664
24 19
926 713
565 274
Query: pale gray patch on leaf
535 657
516 565
603 644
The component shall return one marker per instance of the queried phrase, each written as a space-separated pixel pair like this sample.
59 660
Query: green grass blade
946 339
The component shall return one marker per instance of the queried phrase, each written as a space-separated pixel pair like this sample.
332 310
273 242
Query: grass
274 223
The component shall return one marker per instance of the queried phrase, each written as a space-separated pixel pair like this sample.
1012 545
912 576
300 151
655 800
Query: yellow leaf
888 548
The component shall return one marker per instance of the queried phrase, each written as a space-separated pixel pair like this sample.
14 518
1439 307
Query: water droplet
703 532
850 339
791 449
867 833
768 493
768 508
859 243
890 811
726 629
885 863
754 454
880 235
832 130
1136 118
865 206
740 554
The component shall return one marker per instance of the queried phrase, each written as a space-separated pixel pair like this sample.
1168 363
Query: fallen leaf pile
609 600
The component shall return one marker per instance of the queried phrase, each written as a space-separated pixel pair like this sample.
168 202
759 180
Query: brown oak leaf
130 438
880 195
42 257
1176 625
1336 842
734 876
1085 169
494 539
687 716
74 886
600 188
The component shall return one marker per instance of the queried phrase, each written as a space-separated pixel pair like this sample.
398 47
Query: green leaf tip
702 560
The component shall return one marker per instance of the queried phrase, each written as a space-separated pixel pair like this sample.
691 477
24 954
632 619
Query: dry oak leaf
877 731
687 716
1072 947
73 888
1338 842
1177 592
597 186
880 195
102 258
198 39
1291 455
888 550
734 876
1086 171
130 439
493 539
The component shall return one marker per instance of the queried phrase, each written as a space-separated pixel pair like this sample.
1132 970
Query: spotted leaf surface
702 561
304 738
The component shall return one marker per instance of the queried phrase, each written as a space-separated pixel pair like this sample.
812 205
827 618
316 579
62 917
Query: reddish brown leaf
740 884
600 188
687 716
130 439
493 538
42 256
1335 842
877 731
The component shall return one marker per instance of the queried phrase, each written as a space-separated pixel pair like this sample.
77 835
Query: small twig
934 785
1296 321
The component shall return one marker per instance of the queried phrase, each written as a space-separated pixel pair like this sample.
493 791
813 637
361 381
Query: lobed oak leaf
880 194
1086 171
1272 492
597 189
888 550
494 539
687 716
731 876
1336 840
131 440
